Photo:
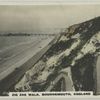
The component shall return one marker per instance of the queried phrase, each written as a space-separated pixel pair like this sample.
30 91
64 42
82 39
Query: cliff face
77 48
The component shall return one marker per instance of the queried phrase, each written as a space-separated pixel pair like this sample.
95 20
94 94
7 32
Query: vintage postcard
50 50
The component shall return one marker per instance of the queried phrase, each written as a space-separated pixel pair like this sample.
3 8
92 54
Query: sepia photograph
50 48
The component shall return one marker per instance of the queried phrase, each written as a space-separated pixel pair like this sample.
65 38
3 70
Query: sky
44 18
